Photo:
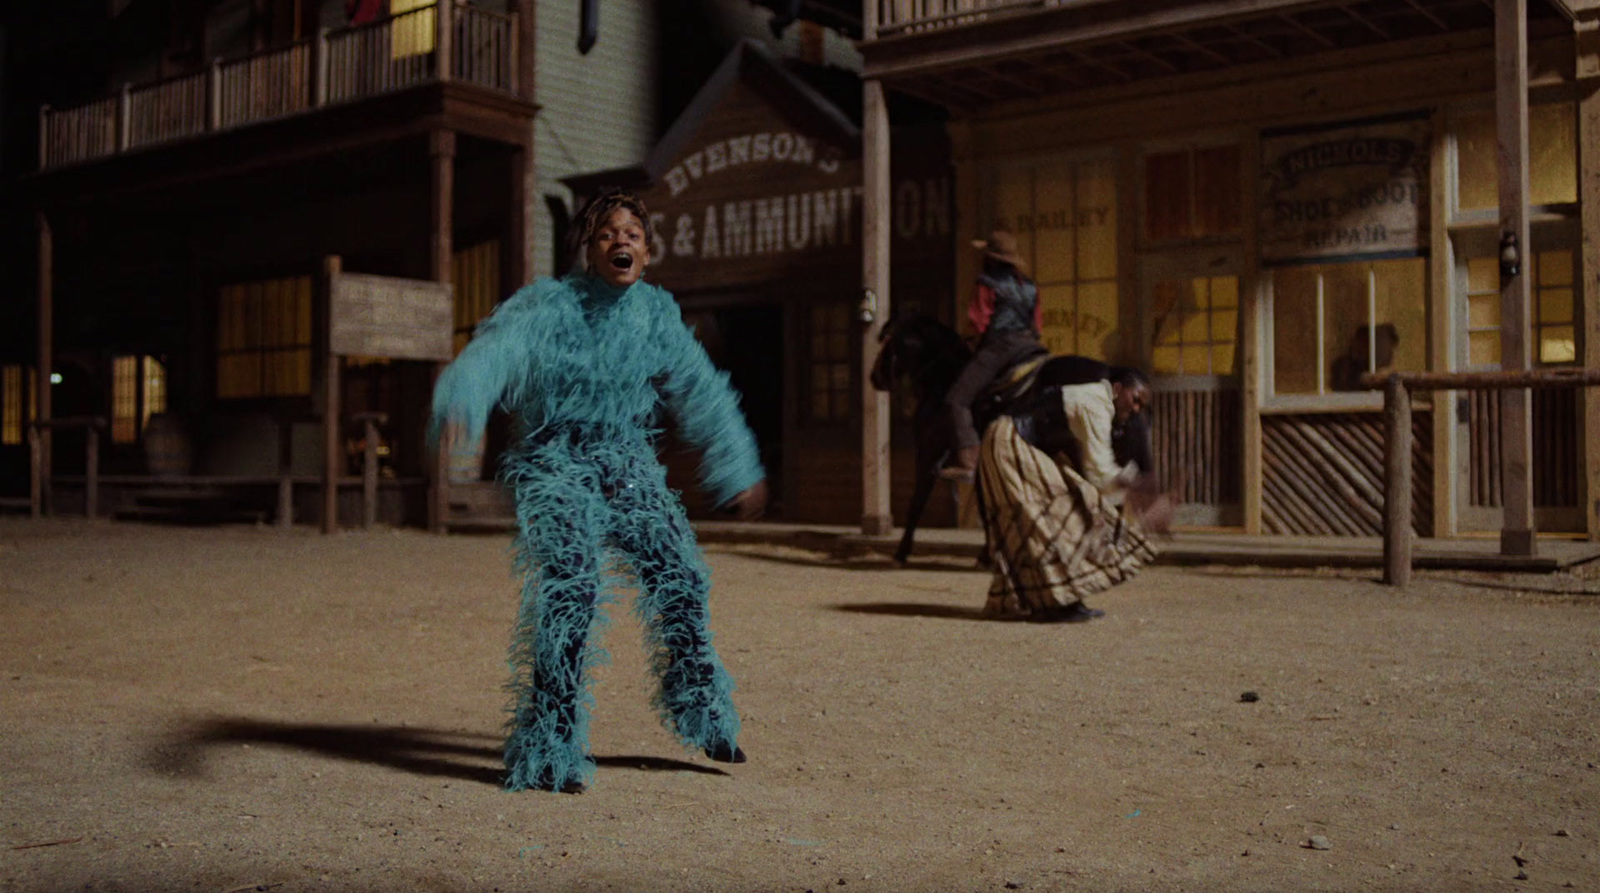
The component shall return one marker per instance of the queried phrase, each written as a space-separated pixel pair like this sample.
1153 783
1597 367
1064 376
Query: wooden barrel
168 451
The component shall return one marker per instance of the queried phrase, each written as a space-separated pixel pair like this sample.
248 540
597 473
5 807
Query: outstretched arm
493 363
706 409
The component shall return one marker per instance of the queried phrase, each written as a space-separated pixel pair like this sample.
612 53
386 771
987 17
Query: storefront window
138 390
264 339
1552 314
1552 158
1332 323
1196 324
828 358
1064 215
1192 194
16 403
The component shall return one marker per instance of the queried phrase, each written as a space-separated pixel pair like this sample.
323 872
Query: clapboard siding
1322 475
597 110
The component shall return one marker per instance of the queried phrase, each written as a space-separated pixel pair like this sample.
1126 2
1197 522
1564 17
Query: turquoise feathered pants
578 493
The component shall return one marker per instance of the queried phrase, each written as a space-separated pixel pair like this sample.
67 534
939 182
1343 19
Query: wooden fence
1397 496
390 54
1197 441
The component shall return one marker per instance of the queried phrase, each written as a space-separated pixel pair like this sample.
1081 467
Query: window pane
1165 298
1400 302
1555 267
1222 357
1557 345
1097 319
1196 328
1483 275
1478 181
1164 360
1347 338
124 399
1294 330
1224 326
1555 305
1217 191
1484 348
1166 196
1224 291
1483 311
1552 161
1059 304
1196 360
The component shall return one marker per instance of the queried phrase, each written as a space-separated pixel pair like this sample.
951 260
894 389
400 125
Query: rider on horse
1007 317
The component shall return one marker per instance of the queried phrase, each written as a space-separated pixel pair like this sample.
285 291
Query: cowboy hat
1002 246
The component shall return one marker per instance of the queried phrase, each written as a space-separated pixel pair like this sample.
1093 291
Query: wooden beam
1397 484
1516 421
876 225
1252 339
1443 342
1382 34
1441 24
45 360
442 159
1310 32
1588 294
332 455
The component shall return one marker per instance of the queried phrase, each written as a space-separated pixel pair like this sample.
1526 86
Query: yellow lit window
138 390
1552 315
16 403
1333 323
1552 158
476 272
264 339
1064 215
1196 326
412 31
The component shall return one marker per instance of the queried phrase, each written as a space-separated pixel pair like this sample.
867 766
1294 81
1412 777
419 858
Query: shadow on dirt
920 609
459 755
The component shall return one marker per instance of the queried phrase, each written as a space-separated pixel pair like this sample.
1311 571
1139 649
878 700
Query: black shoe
1077 612
722 754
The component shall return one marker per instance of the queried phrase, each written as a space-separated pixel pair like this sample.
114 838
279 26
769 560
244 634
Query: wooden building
195 229
755 193
1259 201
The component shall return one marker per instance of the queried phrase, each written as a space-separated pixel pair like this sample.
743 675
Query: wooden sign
381 316
1350 191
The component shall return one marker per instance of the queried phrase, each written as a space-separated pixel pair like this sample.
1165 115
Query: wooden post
91 469
524 32
319 69
1443 343
1511 117
285 513
1397 484
214 95
1588 293
876 220
444 37
1252 347
514 260
124 107
369 474
442 153
46 361
332 455
35 475
44 137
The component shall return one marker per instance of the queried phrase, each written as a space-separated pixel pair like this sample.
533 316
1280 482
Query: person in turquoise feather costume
587 364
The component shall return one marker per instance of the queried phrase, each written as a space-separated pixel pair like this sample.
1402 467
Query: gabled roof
755 66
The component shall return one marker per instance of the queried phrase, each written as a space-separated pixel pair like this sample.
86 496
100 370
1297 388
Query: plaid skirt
1052 536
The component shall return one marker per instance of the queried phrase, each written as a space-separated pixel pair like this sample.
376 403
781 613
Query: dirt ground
230 709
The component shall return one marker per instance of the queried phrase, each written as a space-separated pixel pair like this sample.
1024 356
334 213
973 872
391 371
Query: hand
749 505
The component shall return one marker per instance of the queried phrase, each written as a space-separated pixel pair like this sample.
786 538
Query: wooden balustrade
393 53
39 488
911 16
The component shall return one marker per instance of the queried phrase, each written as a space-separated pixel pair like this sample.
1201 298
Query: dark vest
1014 300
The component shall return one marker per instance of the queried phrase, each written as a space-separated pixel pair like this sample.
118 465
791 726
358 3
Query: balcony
444 43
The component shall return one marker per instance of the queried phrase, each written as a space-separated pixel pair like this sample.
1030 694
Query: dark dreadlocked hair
599 209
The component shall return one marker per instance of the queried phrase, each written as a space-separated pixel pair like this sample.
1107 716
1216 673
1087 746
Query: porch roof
972 54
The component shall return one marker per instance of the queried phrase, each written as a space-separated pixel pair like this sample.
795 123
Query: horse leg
926 475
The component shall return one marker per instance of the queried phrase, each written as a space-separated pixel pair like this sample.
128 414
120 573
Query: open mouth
622 261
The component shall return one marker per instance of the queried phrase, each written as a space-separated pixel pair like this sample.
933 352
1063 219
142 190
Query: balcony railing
913 16
390 54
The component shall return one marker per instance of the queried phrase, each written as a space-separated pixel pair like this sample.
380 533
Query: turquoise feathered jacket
577 357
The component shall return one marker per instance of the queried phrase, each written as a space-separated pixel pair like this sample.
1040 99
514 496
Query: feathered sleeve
705 407
493 366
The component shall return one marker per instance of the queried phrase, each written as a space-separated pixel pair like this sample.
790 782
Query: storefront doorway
1190 307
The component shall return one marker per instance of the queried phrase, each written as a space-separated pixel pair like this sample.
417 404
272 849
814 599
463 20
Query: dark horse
931 355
